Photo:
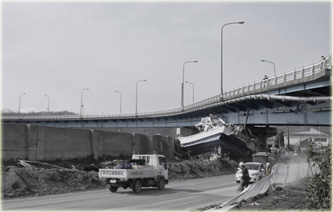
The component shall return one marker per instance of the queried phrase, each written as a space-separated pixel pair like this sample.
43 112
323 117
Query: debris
278 188
293 197
36 164
40 178
214 136
255 204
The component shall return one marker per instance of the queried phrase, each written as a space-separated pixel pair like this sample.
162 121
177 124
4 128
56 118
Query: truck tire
137 186
113 189
161 184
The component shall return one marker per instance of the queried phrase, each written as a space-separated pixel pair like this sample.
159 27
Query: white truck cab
142 171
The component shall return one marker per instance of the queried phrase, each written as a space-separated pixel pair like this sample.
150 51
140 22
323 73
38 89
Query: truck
143 170
264 158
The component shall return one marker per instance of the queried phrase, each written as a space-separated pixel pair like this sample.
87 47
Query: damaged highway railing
281 175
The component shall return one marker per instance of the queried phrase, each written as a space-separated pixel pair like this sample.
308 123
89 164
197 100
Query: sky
59 48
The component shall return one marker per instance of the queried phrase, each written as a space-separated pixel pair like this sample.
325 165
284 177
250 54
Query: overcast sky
57 49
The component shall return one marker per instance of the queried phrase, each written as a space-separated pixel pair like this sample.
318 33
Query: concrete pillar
168 147
94 145
40 143
99 145
31 141
150 146
262 133
157 144
26 140
261 141
140 144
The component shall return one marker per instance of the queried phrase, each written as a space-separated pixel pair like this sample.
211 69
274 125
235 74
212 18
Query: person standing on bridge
265 81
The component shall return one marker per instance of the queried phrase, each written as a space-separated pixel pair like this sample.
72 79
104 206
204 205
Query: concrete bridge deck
297 97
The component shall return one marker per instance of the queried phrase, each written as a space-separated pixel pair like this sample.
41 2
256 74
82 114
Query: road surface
179 195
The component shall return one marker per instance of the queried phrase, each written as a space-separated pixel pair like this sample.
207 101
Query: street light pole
20 102
241 22
192 90
271 63
81 108
48 103
136 99
195 61
121 97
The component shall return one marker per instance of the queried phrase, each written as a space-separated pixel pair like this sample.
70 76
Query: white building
319 138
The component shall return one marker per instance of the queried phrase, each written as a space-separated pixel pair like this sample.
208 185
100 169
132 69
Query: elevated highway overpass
301 96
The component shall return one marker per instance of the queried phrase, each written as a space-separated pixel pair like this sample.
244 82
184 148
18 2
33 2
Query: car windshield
252 166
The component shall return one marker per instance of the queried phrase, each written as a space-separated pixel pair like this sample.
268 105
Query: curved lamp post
136 99
192 90
271 63
195 61
241 22
20 102
81 108
121 97
48 103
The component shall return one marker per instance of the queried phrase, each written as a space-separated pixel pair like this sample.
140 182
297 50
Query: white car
256 172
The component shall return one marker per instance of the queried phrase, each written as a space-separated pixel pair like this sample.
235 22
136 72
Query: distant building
303 139
270 142
274 142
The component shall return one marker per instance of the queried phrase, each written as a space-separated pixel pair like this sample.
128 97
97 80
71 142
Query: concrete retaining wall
15 145
50 143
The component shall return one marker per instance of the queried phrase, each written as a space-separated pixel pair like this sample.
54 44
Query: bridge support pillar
94 145
28 155
262 133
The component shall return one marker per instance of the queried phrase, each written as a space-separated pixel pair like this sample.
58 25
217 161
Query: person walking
268 168
245 176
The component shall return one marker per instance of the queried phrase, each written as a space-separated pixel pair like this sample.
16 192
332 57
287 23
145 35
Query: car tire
113 189
161 184
137 186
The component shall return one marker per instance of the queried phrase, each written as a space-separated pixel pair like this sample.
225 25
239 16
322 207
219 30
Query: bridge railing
297 73
259 86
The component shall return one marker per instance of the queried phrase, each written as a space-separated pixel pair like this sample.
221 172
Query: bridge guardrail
258 86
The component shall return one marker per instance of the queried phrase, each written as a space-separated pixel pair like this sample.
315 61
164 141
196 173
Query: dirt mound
200 168
18 181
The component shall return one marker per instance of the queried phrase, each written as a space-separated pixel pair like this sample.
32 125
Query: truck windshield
162 162
146 158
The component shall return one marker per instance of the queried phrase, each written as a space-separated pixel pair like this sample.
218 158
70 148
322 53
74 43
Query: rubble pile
291 197
22 181
39 179
188 169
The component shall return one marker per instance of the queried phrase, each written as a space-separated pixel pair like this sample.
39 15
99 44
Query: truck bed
147 172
